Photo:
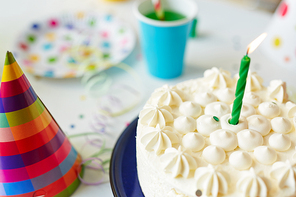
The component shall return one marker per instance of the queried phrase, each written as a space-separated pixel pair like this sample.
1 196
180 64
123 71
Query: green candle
240 89
241 83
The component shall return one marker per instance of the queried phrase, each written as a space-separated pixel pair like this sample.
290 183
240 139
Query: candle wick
247 53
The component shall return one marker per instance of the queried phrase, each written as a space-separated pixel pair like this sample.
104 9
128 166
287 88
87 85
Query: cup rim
147 20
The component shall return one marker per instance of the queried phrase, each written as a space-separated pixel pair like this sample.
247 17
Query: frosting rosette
226 95
178 162
211 181
269 109
217 109
279 142
291 107
152 115
265 155
281 125
240 160
158 139
242 123
224 138
277 91
217 78
254 81
193 141
213 154
252 99
168 95
249 139
251 185
190 108
206 124
284 173
185 124
204 98
259 123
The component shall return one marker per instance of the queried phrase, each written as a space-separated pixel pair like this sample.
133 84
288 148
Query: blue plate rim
116 186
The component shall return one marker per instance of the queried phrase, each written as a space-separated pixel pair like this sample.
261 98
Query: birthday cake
186 146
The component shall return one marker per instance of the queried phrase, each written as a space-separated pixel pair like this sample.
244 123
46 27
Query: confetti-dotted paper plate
69 45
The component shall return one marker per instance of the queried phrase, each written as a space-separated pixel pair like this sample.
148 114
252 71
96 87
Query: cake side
184 139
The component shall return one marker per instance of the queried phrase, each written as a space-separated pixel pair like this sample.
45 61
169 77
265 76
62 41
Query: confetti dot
287 59
277 42
35 26
105 34
50 36
127 124
121 31
23 46
92 22
47 46
34 58
67 37
106 44
72 126
91 67
69 26
71 60
70 74
80 15
53 23
52 59
63 48
108 17
31 38
216 118
49 73
198 193
81 116
82 98
106 55
283 9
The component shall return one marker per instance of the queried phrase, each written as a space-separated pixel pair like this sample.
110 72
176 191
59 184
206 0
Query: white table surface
224 33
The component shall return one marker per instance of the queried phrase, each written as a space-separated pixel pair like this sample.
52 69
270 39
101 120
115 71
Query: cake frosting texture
186 146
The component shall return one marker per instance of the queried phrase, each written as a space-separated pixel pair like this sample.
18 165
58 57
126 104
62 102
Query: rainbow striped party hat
36 158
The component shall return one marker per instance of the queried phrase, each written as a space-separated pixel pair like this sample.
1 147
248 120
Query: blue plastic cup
163 42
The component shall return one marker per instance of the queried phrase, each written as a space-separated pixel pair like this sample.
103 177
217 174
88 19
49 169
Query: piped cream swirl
158 139
178 162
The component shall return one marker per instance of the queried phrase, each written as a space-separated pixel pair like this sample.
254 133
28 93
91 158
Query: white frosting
213 154
204 98
224 139
249 139
190 108
251 185
265 155
252 99
152 115
217 109
158 139
210 181
259 123
226 95
279 142
277 91
254 81
240 160
185 124
193 141
242 124
178 162
206 124
217 78
247 110
291 107
168 95
281 125
269 109
284 173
